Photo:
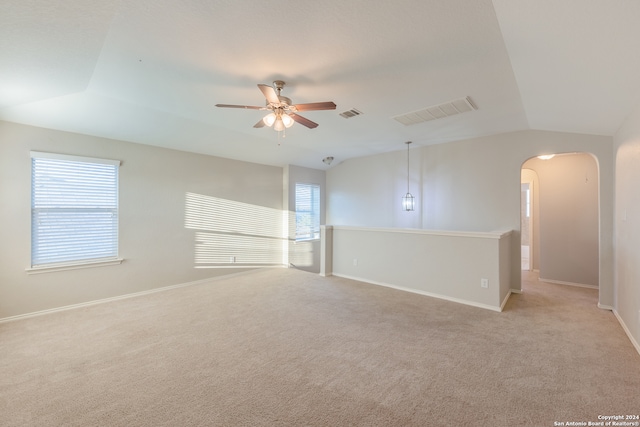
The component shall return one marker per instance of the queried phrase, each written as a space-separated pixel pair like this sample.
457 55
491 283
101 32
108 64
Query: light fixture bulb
278 125
269 119
287 120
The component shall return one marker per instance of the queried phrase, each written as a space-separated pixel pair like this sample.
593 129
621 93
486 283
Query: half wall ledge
472 268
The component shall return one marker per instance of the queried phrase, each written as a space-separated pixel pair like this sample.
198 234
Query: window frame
36 209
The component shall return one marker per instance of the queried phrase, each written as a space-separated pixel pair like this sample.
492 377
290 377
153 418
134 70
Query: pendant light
408 201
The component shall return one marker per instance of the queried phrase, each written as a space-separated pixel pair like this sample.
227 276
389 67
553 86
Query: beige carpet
282 347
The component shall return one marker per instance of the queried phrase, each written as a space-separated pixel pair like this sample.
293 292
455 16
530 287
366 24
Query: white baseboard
117 298
626 330
428 294
504 302
560 282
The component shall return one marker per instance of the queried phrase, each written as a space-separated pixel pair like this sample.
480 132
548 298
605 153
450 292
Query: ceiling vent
350 113
447 109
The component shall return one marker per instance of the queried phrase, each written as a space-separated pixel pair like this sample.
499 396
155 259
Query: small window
74 210
307 211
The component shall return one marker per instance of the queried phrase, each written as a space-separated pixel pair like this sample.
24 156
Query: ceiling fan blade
316 106
270 93
304 122
249 107
259 124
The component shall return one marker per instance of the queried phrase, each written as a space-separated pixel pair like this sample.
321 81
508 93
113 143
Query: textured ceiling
151 71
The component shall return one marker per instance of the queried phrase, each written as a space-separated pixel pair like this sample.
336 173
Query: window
74 210
307 211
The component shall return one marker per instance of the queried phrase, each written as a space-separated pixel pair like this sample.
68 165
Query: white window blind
74 209
307 211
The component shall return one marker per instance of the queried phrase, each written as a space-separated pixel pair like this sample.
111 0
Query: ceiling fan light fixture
287 120
278 125
282 110
269 119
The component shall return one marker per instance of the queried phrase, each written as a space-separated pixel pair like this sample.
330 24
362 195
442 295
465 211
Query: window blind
74 209
307 211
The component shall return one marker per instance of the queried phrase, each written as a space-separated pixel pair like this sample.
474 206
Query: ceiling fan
282 110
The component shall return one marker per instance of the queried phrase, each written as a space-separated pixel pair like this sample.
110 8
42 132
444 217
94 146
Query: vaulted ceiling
151 71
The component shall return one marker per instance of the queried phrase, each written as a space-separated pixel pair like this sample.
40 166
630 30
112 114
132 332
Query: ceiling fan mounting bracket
278 85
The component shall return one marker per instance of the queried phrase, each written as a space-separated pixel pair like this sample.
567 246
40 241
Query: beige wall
479 176
627 224
157 247
367 191
471 185
427 262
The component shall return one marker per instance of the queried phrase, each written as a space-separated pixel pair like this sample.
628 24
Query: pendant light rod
408 201
408 143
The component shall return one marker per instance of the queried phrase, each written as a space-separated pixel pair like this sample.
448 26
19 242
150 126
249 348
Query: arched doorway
563 241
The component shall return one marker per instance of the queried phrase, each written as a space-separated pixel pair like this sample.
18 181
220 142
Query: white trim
515 291
504 302
241 266
117 298
419 292
72 266
310 239
56 156
560 282
626 330
476 234
605 307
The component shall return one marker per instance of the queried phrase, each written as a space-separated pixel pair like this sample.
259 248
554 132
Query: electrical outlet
355 261
484 283
232 259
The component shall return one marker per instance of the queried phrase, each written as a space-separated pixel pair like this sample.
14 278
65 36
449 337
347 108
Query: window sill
73 266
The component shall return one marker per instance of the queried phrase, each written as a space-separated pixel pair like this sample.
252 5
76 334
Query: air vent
350 113
437 112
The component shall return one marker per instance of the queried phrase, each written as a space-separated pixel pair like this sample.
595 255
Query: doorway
560 219
526 223
529 224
